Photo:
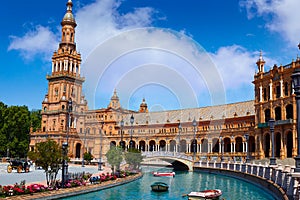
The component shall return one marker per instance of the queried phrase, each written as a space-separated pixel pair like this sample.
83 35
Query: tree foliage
133 157
48 155
15 122
87 156
115 157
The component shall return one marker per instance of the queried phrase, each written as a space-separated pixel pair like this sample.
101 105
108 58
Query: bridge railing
280 175
148 154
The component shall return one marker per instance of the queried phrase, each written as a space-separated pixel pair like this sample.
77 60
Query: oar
184 195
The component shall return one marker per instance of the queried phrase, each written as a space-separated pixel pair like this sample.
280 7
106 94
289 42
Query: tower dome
68 17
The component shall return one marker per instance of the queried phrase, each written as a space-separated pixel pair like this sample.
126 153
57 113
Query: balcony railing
277 122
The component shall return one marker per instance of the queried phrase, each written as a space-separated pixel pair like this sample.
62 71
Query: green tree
49 156
87 156
16 124
133 157
114 157
35 119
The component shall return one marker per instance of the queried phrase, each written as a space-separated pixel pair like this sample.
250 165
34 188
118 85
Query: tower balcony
65 75
277 123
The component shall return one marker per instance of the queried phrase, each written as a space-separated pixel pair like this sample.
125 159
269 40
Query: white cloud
281 16
40 41
101 20
104 37
237 65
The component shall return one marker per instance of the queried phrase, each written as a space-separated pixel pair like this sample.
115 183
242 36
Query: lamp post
100 155
179 132
69 118
247 149
221 142
82 165
131 122
65 146
122 142
272 125
296 83
64 174
194 139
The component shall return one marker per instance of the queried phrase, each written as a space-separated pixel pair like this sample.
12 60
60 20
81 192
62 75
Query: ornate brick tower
274 98
64 86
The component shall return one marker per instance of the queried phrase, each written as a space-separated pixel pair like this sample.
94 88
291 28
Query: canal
182 183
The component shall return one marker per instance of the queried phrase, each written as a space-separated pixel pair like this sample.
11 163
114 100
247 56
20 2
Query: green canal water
182 183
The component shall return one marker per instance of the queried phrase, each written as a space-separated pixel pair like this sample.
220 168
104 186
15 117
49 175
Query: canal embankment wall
261 182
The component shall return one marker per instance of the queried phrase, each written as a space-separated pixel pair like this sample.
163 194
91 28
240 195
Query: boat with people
164 174
159 187
205 194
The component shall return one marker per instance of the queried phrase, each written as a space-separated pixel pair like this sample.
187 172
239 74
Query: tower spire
68 24
260 63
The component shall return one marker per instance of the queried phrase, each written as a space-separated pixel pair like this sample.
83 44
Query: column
52 67
220 146
60 65
243 146
281 88
71 66
260 93
64 65
271 91
200 148
75 122
78 69
231 149
56 66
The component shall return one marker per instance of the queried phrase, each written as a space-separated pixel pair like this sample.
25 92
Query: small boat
163 174
205 194
159 187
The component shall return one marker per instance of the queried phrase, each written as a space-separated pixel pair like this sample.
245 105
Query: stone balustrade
281 178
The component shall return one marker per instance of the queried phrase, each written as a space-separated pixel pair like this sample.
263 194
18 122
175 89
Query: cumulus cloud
101 20
281 16
39 41
236 65
156 56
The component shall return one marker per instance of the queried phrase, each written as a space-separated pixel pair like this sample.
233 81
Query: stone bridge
177 160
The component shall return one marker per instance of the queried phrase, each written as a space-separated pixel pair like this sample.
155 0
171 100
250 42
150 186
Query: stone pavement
38 175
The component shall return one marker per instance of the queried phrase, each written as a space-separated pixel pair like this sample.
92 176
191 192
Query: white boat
163 174
205 194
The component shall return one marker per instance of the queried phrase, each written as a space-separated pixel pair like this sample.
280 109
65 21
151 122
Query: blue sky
227 35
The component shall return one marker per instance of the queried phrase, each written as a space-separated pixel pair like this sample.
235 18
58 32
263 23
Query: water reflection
182 183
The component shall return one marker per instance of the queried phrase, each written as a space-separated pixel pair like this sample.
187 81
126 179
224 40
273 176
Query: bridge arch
179 161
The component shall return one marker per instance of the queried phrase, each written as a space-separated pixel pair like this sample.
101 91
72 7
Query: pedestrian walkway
76 190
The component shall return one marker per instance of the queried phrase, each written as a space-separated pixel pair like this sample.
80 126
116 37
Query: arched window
278 113
289 111
265 94
278 91
286 89
267 115
267 145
